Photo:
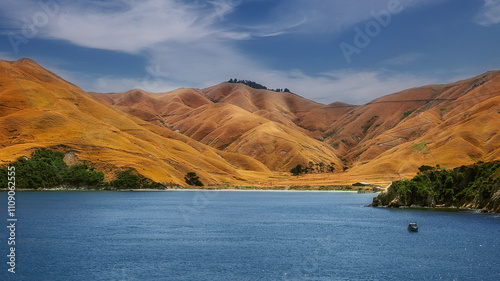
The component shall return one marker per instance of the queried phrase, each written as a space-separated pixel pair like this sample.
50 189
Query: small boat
413 227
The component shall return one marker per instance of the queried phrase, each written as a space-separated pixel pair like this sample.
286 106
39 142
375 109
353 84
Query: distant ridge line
424 100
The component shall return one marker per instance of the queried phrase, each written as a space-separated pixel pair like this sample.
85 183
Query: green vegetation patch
312 168
421 147
47 169
450 187
257 86
406 114
192 179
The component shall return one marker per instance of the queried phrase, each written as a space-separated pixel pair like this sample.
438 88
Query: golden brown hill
231 132
283 107
274 128
445 125
39 109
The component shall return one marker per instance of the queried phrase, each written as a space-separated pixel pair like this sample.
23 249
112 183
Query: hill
232 133
445 125
39 109
263 124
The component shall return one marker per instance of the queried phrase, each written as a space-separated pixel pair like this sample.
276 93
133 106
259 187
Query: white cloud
135 25
339 15
348 85
276 28
153 81
204 64
117 85
190 44
125 25
352 86
489 14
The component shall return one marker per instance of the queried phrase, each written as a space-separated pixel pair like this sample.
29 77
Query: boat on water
413 227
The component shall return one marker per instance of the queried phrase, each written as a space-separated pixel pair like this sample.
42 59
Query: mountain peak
26 61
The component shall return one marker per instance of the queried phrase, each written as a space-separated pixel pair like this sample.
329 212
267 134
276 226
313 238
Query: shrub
46 168
425 168
127 180
192 179
297 170
406 114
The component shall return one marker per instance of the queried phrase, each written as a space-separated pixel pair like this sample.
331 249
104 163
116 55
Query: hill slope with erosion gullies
39 109
234 133
273 128
446 125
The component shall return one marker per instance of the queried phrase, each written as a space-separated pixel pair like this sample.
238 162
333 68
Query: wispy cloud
192 44
336 16
489 14
135 25
276 28
117 84
125 25
154 81
353 86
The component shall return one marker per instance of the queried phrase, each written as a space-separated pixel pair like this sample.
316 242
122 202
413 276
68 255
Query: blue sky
339 50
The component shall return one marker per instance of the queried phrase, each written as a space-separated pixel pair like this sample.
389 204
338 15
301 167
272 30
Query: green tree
44 169
425 168
331 167
192 179
4 177
127 179
297 170
322 167
310 167
81 174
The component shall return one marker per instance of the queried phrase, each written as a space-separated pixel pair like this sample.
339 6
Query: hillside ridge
372 137
233 133
41 110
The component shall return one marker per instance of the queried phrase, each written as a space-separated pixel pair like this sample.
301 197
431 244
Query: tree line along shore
475 186
45 169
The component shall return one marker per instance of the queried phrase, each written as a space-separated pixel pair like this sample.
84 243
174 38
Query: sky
350 51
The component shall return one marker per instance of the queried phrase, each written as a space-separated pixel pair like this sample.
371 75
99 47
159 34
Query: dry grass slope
40 109
262 124
446 125
233 133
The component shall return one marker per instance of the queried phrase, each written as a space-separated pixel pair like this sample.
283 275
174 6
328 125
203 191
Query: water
243 236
